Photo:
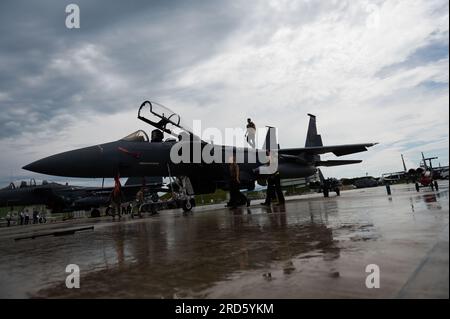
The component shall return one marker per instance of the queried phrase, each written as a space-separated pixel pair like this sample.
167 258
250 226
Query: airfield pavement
313 247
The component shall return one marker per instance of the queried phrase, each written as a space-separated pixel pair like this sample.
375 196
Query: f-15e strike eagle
137 155
68 198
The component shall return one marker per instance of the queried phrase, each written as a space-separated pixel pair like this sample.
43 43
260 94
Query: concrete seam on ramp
413 278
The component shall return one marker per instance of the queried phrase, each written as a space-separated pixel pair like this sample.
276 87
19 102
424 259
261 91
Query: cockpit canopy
162 118
138 136
23 184
165 113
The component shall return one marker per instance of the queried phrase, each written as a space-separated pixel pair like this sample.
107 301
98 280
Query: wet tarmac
312 247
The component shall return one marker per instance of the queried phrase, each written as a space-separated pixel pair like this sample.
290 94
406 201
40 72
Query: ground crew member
139 200
27 217
236 197
234 182
116 197
35 217
274 186
8 219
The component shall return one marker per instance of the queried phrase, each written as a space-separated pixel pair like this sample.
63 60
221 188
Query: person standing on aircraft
251 132
274 186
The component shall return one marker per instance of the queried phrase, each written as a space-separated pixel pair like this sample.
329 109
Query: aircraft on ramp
136 155
67 198
424 176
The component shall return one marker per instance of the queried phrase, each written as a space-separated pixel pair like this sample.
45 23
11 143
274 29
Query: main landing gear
434 186
184 193
326 191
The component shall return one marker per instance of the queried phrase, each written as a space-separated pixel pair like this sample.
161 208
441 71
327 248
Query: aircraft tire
187 206
95 213
109 211
155 198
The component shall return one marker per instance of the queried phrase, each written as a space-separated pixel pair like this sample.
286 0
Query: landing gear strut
184 192
436 186
187 205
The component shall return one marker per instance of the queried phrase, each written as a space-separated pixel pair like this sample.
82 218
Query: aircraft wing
338 150
130 188
337 163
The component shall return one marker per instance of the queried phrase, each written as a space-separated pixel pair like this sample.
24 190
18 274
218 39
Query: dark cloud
53 79
123 52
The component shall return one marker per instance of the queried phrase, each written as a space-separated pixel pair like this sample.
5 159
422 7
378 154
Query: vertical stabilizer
404 165
424 161
270 143
312 138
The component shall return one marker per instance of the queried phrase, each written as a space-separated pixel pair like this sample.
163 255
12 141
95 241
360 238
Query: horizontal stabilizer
337 162
338 150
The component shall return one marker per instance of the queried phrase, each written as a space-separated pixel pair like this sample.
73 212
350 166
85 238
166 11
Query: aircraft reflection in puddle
431 200
173 258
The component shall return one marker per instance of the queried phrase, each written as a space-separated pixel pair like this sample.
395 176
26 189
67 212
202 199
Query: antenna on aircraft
429 159
404 166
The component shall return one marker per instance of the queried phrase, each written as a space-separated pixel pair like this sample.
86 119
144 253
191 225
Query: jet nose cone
52 165
33 167
84 162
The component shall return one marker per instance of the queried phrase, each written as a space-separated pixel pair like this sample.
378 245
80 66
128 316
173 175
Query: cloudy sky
372 71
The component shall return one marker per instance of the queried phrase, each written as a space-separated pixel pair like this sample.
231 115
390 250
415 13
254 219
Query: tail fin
404 165
312 138
424 161
270 143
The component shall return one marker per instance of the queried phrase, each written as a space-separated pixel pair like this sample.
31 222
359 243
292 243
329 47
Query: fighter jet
137 155
26 194
66 198
424 176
